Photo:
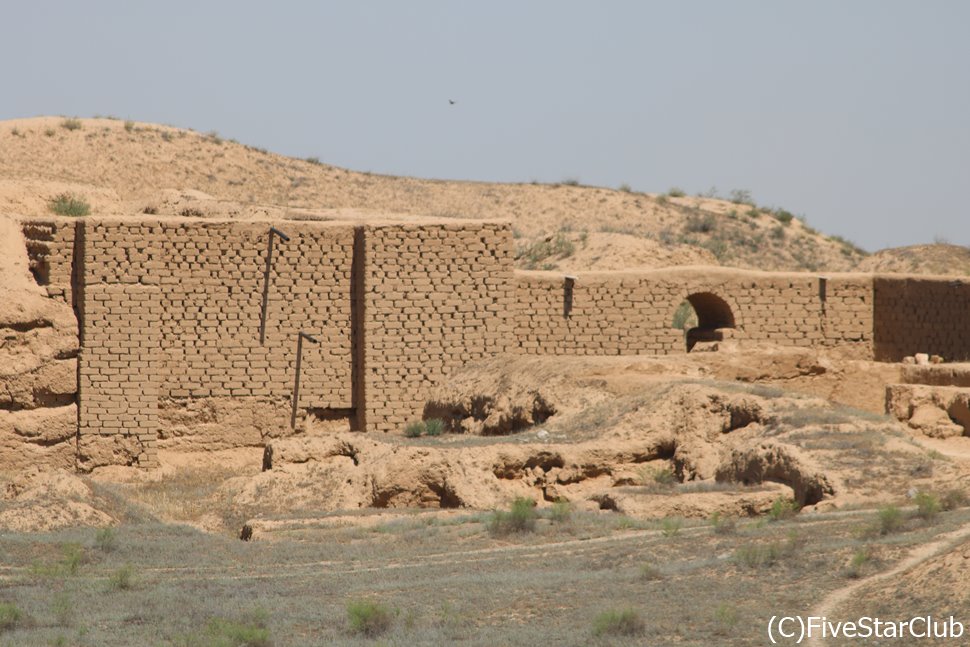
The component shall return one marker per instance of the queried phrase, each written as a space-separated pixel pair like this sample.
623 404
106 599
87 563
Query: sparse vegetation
650 572
129 125
676 192
783 216
952 499
742 196
49 132
430 427
561 511
625 622
105 539
685 317
670 527
71 124
520 518
368 618
890 519
700 223
123 578
765 555
625 188
313 160
856 565
723 524
571 181
414 429
68 204
226 632
10 616
927 506
556 247
782 509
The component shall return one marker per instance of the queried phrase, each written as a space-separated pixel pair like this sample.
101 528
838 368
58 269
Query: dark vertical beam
569 282
296 381
358 395
267 275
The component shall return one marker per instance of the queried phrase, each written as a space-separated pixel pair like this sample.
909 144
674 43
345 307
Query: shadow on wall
702 315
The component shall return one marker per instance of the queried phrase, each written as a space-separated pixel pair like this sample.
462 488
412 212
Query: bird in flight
451 102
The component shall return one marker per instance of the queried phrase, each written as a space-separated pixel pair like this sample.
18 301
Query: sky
855 115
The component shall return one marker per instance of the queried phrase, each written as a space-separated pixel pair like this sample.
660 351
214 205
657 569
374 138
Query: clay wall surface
209 278
921 315
613 313
434 297
118 378
50 250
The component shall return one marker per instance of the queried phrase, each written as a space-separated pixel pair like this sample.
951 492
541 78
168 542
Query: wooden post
273 231
296 381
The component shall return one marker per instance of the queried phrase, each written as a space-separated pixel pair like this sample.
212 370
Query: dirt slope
124 167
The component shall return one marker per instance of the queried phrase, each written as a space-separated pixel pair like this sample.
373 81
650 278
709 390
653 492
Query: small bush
62 608
105 540
434 427
571 181
561 511
313 160
71 124
890 519
784 217
765 555
723 524
224 632
664 476
414 429
214 137
782 509
123 578
73 558
10 616
741 196
857 563
726 617
368 618
129 125
626 622
626 188
676 192
670 527
650 572
520 518
700 223
685 316
67 204
927 506
49 132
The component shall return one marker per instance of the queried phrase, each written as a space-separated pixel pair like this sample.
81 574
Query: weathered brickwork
170 311
50 250
921 315
610 313
118 385
210 283
434 297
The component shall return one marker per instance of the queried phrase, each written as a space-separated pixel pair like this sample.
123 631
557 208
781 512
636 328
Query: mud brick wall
210 277
615 313
921 315
50 251
118 381
433 298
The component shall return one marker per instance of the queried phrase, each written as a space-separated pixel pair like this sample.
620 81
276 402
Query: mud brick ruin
169 314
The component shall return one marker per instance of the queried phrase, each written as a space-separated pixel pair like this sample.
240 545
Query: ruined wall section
433 298
616 313
50 251
921 315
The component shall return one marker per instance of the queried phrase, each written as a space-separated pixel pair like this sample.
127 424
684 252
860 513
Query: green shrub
782 216
214 137
685 316
105 540
927 506
741 196
571 181
62 608
676 192
626 622
664 476
890 519
856 564
434 427
670 527
626 188
723 524
10 616
700 223
414 429
726 618
67 204
123 578
129 125
225 632
521 517
561 511
782 509
368 618
71 124
764 555
73 558
313 160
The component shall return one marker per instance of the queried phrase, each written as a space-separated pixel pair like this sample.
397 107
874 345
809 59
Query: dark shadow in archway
712 313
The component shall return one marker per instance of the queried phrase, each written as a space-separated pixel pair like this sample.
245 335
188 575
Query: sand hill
129 168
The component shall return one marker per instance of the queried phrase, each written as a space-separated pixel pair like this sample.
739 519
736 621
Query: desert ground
669 500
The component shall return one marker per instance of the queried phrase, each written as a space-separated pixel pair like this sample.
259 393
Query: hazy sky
853 114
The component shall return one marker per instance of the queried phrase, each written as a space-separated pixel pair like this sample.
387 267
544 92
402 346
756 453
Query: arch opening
703 316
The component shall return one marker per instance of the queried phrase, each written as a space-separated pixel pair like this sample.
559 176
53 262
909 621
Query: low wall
614 313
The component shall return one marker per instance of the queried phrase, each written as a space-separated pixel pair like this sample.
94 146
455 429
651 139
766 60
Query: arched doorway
702 316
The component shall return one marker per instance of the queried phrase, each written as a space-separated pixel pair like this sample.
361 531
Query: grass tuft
10 616
625 622
520 518
68 204
368 618
71 124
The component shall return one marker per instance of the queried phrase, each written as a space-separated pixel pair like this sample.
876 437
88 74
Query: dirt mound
41 500
940 258
121 167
